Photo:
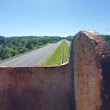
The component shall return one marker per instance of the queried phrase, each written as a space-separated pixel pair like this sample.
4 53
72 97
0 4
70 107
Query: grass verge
56 58
66 52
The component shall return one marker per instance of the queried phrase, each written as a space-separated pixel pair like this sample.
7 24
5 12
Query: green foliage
107 38
66 51
2 40
11 46
69 38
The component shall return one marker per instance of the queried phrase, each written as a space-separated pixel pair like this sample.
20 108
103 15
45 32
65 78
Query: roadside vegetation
56 58
107 38
69 38
66 52
11 46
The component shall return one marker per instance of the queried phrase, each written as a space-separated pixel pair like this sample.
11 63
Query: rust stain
82 84
35 88
27 100
91 50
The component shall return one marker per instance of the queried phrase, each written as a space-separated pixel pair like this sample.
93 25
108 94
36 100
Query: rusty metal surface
91 76
101 47
82 84
37 88
86 74
105 86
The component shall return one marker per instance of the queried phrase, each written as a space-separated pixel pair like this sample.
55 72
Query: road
68 42
33 58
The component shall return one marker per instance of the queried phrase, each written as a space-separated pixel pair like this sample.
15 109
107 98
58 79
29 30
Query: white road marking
43 59
37 55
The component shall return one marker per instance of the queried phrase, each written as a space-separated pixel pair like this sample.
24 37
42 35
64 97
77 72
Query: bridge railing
81 84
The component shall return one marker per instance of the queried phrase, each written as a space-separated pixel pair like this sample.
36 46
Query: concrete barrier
81 84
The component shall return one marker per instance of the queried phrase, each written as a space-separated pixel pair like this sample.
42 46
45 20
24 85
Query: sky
53 17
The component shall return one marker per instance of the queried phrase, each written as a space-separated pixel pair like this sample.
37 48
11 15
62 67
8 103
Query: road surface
33 58
68 42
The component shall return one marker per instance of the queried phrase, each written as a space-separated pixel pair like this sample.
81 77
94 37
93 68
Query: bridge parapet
82 84
91 76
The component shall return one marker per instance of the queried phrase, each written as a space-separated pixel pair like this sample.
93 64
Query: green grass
56 58
66 52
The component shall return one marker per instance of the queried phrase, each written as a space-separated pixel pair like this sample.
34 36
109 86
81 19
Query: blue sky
53 17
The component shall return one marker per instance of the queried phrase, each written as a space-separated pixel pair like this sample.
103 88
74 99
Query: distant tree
107 38
2 40
69 38
22 50
7 55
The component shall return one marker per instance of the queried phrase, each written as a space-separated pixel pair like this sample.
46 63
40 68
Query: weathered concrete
82 84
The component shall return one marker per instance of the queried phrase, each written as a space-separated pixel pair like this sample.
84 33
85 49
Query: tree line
107 38
11 46
69 38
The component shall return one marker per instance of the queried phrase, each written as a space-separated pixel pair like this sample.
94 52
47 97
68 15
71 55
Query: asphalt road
68 42
33 58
